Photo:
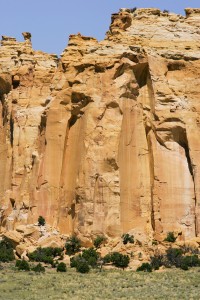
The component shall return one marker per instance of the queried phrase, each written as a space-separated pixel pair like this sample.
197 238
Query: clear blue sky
52 21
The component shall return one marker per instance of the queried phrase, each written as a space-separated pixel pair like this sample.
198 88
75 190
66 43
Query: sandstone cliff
106 138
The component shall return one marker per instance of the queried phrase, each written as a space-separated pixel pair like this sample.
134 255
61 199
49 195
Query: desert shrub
170 237
82 266
91 256
174 256
99 241
157 261
73 261
189 261
41 221
6 251
119 260
45 255
145 267
127 238
189 249
22 265
61 267
73 245
132 10
38 268
107 258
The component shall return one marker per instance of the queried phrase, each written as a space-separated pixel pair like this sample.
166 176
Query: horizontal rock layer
104 139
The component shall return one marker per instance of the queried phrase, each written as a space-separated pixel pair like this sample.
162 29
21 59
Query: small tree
45 255
82 266
61 267
41 221
91 256
38 268
117 259
174 256
73 245
6 251
157 261
127 238
99 241
170 237
145 267
22 265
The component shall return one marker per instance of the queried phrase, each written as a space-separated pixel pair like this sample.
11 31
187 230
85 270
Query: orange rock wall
106 138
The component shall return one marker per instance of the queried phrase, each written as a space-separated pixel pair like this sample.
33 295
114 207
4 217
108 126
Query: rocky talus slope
105 139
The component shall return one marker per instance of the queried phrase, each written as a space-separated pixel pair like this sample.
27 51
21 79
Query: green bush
45 255
145 267
41 221
156 261
127 238
6 251
174 256
99 241
91 256
107 258
79 263
73 245
82 266
61 267
38 268
189 261
117 259
22 265
170 237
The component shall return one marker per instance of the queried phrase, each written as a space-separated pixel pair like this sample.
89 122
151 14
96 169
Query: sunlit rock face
105 139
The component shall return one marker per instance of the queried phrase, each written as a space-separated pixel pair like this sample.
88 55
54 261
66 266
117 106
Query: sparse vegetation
175 257
73 245
41 221
170 237
109 284
127 238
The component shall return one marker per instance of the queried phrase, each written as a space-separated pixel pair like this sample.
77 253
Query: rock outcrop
104 139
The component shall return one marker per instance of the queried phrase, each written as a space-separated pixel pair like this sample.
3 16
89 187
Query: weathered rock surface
106 138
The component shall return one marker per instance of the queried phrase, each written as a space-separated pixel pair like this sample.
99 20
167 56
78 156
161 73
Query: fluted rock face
106 138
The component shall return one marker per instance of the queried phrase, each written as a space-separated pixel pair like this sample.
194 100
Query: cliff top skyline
51 23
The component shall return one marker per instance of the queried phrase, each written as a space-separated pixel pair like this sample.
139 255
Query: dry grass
109 284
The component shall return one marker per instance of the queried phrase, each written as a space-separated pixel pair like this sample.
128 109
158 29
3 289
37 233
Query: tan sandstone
104 140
